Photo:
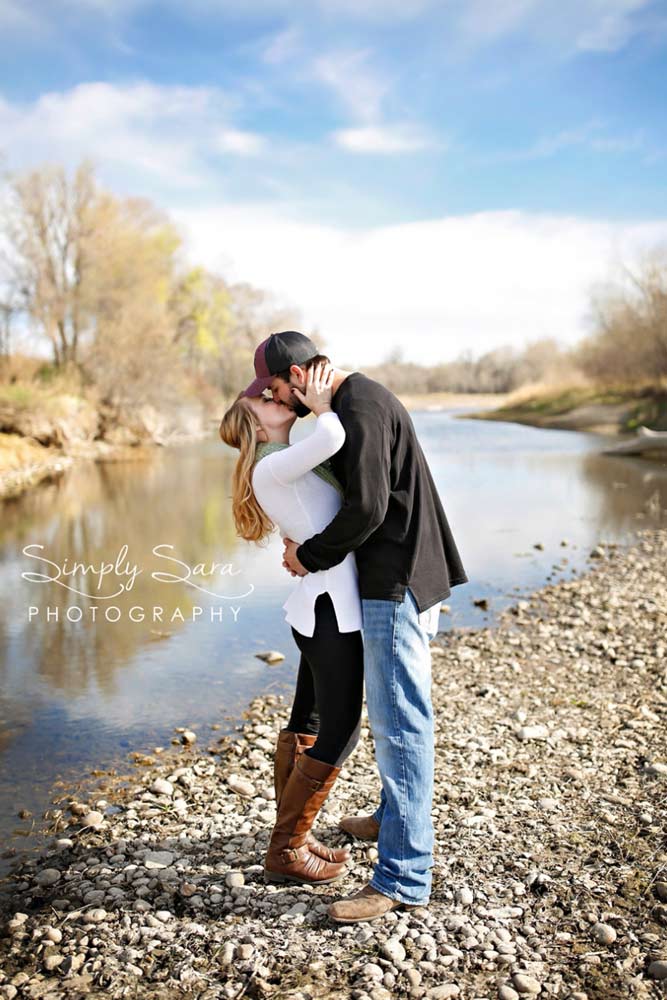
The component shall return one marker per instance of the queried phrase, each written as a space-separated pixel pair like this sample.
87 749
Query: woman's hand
317 394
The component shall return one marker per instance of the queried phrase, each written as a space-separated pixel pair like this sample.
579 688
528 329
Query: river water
96 665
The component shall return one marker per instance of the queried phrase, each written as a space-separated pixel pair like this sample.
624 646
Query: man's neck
339 377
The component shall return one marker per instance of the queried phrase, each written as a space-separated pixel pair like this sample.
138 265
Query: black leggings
329 686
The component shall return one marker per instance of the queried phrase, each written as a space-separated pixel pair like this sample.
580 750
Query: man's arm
367 474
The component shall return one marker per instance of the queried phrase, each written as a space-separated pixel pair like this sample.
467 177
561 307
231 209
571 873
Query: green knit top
323 470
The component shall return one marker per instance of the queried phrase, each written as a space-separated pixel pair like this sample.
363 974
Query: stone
603 933
658 969
464 896
49 876
393 950
271 656
506 992
372 971
158 859
234 879
526 985
162 787
241 786
94 818
533 733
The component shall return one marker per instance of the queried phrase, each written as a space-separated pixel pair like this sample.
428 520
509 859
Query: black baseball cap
276 354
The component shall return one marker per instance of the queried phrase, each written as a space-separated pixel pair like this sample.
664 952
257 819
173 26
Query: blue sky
335 150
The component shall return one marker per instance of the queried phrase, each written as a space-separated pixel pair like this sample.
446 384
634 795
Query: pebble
158 859
526 985
533 733
234 879
271 656
93 819
603 933
393 950
506 992
162 787
48 876
658 969
241 786
372 971
464 896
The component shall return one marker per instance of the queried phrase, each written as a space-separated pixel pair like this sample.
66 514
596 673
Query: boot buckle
289 854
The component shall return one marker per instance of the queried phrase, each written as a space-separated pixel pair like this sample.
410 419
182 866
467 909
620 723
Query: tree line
103 280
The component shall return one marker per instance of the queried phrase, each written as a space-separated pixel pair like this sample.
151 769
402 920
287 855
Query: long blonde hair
238 429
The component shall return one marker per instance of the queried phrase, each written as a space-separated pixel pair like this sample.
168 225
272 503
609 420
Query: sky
433 176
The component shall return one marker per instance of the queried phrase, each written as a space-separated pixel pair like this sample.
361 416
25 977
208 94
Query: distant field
445 400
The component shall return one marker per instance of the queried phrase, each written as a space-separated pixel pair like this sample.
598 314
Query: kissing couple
367 539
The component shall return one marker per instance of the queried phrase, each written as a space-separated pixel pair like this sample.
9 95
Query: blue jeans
397 668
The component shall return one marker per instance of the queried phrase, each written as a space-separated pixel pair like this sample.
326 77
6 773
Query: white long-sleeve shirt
301 503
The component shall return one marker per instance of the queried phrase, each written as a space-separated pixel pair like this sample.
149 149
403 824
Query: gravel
550 812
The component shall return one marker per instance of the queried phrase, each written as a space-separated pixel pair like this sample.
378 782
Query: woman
293 487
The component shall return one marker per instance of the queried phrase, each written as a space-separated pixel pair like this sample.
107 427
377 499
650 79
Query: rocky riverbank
550 813
39 444
585 408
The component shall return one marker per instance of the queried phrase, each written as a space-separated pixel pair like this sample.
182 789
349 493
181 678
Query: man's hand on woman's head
318 392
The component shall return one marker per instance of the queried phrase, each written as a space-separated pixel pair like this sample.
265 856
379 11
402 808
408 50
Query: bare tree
46 229
629 318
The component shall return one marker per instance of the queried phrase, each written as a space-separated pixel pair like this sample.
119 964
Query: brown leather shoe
288 858
361 827
366 904
291 745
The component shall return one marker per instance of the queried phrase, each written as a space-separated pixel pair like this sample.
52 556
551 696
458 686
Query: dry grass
17 452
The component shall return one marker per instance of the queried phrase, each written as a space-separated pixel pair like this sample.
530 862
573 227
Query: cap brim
258 385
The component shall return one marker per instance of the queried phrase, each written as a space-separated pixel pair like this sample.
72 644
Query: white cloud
17 16
347 73
282 47
383 139
362 90
153 134
435 287
612 25
565 29
570 26
586 136
231 140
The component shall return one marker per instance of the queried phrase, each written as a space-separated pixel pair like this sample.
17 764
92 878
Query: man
407 562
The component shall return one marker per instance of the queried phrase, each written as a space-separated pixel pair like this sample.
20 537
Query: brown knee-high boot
289 747
288 858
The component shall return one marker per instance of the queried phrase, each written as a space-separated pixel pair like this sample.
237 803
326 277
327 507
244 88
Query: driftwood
646 440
